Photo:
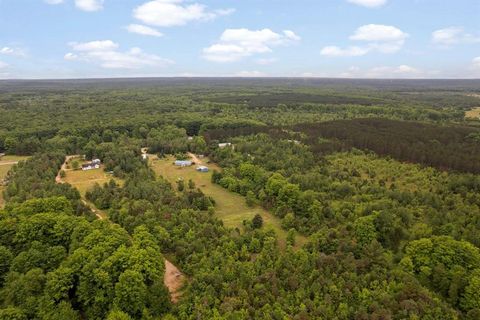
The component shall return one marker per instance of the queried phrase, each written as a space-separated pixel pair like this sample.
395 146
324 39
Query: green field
7 162
230 207
84 180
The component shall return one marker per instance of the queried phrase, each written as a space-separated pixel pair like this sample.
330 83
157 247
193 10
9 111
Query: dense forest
379 180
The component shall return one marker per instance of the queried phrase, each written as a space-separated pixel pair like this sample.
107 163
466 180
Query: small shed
202 169
96 161
183 163
224 144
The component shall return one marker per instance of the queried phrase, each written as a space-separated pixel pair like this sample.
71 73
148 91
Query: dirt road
173 280
58 179
8 163
194 158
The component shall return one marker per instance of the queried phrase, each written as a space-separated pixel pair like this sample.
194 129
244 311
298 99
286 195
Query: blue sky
301 38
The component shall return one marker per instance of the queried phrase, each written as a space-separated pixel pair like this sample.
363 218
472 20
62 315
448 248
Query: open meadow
84 180
230 207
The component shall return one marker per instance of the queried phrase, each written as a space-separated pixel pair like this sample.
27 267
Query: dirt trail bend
58 179
8 163
173 280
194 158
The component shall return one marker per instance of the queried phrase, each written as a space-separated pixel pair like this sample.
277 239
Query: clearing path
58 178
194 158
100 214
5 163
230 207
173 280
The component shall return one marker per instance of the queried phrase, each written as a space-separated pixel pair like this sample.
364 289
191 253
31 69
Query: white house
90 166
224 144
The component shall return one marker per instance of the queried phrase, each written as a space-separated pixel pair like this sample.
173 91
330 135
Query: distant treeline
443 147
273 100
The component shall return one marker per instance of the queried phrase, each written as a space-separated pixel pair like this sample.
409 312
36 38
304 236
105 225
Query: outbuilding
224 144
183 163
202 169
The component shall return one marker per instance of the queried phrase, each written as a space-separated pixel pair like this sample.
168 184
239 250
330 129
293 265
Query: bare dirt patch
473 113
173 280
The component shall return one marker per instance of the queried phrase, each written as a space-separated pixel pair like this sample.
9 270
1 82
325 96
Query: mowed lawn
84 180
230 207
6 163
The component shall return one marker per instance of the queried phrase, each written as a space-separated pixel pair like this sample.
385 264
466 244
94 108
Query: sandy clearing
173 280
194 158
8 163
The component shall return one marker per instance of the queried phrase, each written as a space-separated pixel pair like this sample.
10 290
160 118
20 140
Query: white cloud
384 72
266 61
53 1
378 32
143 30
12 51
70 56
89 5
379 38
106 54
250 74
169 13
99 45
453 35
236 44
3 65
369 3
476 63
334 51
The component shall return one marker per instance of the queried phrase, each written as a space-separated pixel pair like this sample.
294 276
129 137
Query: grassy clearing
7 162
84 180
473 113
230 207
10 158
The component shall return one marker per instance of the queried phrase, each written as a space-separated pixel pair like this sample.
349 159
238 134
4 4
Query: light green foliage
365 230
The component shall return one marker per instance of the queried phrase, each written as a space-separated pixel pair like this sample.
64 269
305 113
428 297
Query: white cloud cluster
334 51
378 38
250 74
53 1
12 51
143 30
169 13
384 72
85 5
369 3
453 35
236 44
106 54
89 5
476 63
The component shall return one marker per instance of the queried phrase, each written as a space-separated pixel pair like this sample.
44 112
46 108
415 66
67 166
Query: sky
57 39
